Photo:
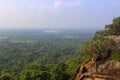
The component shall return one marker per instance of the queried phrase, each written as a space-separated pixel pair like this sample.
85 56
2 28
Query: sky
66 14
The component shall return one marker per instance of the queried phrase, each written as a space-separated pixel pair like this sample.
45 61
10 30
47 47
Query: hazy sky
57 13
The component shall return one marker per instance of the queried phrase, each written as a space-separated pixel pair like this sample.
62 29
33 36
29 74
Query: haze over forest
51 39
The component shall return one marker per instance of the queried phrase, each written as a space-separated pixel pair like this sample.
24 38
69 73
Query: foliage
35 72
116 20
116 55
37 55
111 29
6 77
59 72
101 44
77 60
100 48
34 55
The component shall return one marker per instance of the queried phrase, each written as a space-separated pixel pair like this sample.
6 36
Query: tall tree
59 72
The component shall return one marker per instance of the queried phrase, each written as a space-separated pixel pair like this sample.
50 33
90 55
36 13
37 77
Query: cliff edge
105 53
105 70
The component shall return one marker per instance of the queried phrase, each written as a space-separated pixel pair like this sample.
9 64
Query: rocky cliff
104 70
105 45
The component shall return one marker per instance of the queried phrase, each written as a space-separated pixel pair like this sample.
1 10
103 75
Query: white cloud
58 3
63 4
72 4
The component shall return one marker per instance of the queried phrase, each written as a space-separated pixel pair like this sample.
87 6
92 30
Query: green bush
99 48
6 77
116 55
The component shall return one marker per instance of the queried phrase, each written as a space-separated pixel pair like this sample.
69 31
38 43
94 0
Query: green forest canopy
41 56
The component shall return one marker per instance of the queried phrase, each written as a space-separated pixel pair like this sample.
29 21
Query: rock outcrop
104 70
114 38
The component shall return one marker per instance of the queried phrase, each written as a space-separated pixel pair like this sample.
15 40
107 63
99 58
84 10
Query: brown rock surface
108 70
